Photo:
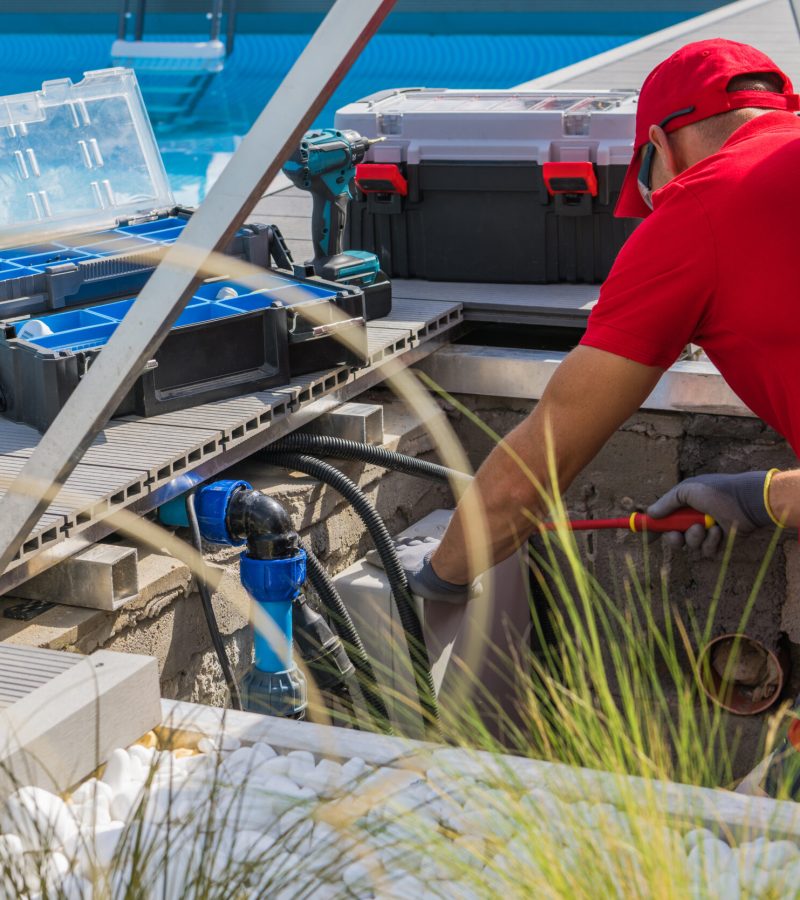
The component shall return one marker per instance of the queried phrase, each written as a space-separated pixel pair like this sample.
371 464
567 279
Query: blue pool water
196 149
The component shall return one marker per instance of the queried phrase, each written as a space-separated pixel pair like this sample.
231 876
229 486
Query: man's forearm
509 499
784 497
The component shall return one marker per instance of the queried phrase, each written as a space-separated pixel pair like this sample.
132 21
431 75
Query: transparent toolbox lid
77 157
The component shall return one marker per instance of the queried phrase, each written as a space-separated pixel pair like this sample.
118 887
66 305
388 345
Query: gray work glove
415 558
731 500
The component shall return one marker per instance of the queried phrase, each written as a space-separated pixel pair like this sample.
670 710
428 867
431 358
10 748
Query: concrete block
104 576
362 422
69 712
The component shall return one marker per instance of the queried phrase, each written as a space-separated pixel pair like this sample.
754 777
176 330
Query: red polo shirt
718 264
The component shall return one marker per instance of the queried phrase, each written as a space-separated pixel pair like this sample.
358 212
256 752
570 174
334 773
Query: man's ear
666 153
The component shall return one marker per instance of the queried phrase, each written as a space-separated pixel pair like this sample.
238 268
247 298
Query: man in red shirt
717 161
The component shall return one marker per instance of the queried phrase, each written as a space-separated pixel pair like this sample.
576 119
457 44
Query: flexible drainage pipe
409 619
341 448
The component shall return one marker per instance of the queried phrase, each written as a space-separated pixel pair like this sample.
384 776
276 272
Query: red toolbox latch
380 178
569 178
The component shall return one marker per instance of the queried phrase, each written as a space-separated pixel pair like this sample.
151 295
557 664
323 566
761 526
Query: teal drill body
325 164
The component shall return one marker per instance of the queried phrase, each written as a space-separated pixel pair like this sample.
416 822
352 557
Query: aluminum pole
331 51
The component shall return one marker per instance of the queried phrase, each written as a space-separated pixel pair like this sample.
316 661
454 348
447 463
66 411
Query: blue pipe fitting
172 510
211 504
273 584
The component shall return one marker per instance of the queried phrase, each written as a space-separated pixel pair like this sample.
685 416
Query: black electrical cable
208 609
409 619
341 448
332 602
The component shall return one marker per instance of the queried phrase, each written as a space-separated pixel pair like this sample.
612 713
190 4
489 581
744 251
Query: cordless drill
325 164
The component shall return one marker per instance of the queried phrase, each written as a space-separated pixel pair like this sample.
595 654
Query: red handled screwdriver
681 520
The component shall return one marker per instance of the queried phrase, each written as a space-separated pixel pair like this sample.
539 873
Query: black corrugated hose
412 628
341 448
326 589
208 609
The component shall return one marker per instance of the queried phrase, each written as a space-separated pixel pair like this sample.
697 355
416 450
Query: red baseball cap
697 76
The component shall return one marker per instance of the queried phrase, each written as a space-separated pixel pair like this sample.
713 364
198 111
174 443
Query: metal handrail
215 16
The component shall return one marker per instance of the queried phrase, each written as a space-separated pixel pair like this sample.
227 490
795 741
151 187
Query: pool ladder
174 75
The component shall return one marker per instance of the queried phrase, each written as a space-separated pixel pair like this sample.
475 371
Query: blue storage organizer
90 328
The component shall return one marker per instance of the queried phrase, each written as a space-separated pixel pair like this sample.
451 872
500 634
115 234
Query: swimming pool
196 148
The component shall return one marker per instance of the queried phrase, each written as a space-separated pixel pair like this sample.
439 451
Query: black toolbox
228 340
492 186
85 211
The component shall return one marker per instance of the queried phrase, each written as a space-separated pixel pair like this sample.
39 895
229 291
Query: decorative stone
40 819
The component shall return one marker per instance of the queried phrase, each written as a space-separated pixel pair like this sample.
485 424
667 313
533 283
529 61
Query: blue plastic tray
33 260
83 329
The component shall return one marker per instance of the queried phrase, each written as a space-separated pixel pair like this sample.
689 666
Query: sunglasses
643 182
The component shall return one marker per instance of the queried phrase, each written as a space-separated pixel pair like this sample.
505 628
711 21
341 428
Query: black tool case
492 186
228 340
86 213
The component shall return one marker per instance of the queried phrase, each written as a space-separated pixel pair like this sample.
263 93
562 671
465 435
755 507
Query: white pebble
41 819
400 886
305 756
264 750
10 847
106 840
695 836
118 770
147 756
92 791
756 881
354 769
278 765
241 760
125 803
357 876
251 845
768 854
711 858
223 743
73 887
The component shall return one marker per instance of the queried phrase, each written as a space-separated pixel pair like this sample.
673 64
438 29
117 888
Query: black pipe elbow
264 523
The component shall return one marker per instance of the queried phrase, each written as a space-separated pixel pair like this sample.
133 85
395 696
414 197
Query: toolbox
86 211
228 340
492 186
